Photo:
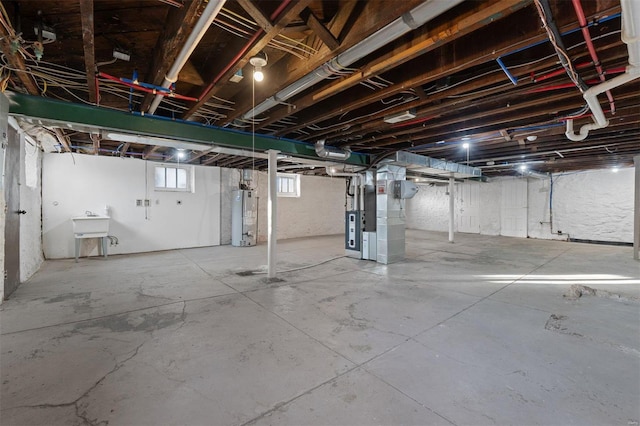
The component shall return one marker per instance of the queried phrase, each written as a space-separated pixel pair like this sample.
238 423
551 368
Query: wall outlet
147 203
138 203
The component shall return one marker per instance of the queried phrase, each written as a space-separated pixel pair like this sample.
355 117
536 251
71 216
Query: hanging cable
555 38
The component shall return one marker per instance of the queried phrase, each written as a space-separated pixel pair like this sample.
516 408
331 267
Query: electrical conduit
631 37
205 21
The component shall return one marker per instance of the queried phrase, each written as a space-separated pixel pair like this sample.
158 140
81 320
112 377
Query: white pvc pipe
272 213
451 208
206 19
631 37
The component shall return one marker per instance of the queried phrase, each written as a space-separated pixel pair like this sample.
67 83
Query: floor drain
245 273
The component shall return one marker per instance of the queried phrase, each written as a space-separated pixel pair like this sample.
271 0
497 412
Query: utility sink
90 226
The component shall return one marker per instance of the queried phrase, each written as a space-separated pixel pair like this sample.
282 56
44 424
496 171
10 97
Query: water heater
243 218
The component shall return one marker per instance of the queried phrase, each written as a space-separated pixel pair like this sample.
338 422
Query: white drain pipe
411 20
631 37
206 19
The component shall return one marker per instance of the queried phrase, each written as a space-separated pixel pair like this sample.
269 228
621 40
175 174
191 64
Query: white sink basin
90 226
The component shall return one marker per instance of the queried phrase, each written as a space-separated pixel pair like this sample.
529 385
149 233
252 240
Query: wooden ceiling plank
434 107
177 28
250 7
149 151
194 157
125 149
63 139
86 16
319 29
429 41
289 14
298 68
463 60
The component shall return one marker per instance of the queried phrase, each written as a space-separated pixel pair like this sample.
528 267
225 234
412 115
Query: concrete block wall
590 205
318 211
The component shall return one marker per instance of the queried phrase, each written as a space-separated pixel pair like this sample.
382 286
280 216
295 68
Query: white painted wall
595 205
73 184
590 205
31 256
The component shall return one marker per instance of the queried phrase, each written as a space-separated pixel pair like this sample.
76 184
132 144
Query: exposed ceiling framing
452 76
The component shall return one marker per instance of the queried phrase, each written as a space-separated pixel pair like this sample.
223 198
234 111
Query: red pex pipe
146 89
592 50
618 70
558 72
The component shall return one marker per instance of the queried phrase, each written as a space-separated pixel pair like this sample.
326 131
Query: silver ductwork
411 20
332 153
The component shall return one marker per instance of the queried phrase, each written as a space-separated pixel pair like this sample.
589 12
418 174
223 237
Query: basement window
288 185
172 179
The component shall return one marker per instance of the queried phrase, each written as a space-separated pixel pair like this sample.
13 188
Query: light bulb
615 169
465 145
523 167
258 75
180 154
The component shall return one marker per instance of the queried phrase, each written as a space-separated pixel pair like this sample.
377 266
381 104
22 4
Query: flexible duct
336 154
411 20
206 19
631 37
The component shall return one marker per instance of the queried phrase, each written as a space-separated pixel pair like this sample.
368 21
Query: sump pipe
631 37
411 20
208 15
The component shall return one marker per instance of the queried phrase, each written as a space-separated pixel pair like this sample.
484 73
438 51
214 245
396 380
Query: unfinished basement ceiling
481 73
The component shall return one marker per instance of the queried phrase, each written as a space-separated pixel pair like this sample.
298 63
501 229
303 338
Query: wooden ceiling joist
177 29
254 11
319 29
86 16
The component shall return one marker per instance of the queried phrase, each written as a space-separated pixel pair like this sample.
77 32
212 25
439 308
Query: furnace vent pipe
332 153
206 19
631 37
411 20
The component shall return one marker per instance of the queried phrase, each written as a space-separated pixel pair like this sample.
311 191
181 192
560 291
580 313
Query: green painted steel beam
87 117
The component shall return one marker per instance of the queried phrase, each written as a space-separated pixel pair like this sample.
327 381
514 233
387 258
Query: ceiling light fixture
401 116
532 138
523 167
258 61
615 169
465 145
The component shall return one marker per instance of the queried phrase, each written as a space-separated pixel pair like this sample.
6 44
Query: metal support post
272 213
451 207
636 211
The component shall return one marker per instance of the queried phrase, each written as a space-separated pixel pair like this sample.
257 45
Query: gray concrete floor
476 332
